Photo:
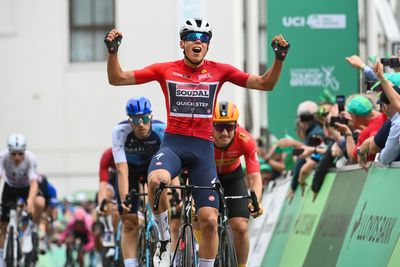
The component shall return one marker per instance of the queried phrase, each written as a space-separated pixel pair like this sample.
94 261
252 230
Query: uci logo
295 21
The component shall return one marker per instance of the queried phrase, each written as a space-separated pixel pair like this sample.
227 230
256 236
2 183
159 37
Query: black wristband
113 45
280 51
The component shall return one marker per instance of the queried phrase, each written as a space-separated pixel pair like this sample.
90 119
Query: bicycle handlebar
103 204
254 202
159 189
162 186
129 197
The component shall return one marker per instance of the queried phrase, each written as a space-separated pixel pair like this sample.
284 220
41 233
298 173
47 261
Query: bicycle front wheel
10 247
141 248
188 258
153 240
227 253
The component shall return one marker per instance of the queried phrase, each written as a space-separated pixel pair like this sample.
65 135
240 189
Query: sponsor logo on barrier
304 224
373 228
333 225
283 224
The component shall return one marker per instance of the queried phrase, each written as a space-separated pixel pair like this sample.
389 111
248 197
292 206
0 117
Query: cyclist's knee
239 227
40 202
130 224
208 219
158 176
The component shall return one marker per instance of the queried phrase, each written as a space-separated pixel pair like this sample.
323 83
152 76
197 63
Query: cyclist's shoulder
216 64
4 153
243 136
30 155
158 123
162 66
122 126
158 127
107 153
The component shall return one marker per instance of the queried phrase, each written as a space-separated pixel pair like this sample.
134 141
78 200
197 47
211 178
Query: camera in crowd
340 101
338 119
393 62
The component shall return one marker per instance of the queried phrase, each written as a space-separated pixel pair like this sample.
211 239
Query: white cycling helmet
81 197
195 25
16 143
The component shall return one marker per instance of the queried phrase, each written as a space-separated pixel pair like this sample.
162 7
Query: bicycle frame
19 253
118 243
12 229
187 213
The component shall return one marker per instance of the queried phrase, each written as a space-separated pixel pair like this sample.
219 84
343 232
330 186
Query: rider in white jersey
18 167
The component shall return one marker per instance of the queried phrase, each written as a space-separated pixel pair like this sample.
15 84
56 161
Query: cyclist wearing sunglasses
230 143
134 142
21 181
190 87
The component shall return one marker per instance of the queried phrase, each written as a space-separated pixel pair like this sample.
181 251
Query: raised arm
268 80
387 86
116 76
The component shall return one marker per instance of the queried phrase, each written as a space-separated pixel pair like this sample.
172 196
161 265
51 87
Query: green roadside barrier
301 234
335 219
374 228
280 236
395 258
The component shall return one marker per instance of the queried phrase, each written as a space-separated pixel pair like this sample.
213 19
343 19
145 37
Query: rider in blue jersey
134 142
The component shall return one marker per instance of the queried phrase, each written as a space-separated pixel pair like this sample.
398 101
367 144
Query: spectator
376 143
308 129
391 150
361 115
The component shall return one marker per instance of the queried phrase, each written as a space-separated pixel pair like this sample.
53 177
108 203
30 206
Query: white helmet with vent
16 143
195 25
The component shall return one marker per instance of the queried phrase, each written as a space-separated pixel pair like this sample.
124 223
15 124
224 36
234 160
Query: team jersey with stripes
18 175
190 94
228 159
126 147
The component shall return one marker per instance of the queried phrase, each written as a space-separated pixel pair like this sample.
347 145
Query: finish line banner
322 34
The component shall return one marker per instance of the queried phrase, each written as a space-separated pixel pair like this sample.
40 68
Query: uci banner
321 34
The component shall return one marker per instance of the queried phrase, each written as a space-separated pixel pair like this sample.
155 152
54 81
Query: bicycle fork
12 230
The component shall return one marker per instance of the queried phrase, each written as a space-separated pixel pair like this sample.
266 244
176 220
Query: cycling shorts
196 154
136 173
11 194
235 185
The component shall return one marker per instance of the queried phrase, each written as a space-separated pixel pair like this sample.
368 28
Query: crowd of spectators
359 129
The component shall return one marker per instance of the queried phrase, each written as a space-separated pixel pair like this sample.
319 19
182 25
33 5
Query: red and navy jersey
107 164
190 94
227 160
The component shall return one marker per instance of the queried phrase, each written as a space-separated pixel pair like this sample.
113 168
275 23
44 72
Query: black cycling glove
280 51
113 45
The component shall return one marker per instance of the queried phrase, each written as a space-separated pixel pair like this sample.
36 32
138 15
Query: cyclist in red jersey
109 217
190 88
107 176
231 141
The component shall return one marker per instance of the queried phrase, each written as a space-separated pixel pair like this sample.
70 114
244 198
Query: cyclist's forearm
102 192
268 80
254 182
271 76
116 76
33 190
123 182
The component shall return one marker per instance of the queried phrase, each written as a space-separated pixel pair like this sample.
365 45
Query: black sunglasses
16 153
220 127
